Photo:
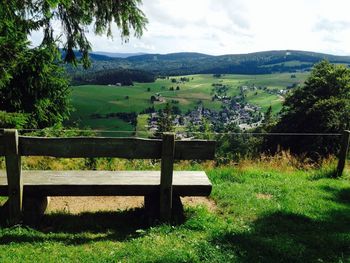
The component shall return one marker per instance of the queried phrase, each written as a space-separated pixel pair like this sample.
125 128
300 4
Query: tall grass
283 161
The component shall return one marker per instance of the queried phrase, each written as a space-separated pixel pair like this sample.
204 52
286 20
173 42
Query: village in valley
234 109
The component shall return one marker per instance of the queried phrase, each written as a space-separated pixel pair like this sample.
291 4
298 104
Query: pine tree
32 80
165 121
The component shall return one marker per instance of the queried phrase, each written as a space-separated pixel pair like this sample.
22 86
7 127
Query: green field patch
182 101
264 100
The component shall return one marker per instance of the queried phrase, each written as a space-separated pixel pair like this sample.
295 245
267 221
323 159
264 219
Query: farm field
97 99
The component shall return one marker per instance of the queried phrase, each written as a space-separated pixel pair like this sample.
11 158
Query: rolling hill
186 63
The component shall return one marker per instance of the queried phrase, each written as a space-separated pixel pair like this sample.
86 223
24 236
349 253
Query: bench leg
152 206
178 216
34 208
4 214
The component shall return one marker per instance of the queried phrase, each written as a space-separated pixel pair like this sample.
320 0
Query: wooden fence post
343 152
14 178
166 177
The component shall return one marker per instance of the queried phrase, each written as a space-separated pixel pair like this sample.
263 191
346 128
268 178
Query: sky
235 26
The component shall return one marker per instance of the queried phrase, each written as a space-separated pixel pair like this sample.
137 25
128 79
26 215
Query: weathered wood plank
104 183
343 153
14 178
130 148
198 149
2 146
166 177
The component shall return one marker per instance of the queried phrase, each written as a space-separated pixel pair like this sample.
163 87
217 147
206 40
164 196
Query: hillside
195 63
117 55
100 106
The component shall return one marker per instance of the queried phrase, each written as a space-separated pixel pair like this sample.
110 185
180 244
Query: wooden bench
161 189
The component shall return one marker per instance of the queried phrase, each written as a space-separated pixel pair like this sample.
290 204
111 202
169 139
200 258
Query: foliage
204 130
39 88
125 77
32 79
322 105
233 145
165 121
75 16
59 131
13 120
12 41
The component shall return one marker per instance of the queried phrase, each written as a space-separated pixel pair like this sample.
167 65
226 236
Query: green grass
264 100
142 123
97 99
263 215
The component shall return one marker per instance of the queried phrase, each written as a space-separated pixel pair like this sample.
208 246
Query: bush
13 120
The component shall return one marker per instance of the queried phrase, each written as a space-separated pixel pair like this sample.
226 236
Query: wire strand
187 132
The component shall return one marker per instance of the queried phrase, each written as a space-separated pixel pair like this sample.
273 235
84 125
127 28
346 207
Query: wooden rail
13 147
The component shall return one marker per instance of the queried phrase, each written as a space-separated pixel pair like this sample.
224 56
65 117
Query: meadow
96 99
266 210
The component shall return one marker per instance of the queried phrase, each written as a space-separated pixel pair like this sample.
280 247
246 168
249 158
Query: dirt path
75 205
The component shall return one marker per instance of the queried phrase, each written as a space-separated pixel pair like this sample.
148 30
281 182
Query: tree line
125 77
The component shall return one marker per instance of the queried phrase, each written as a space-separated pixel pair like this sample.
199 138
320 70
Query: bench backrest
129 148
13 146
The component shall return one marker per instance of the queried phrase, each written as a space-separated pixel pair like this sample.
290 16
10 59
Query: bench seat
107 183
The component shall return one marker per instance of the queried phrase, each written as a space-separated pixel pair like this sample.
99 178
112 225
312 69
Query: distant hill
196 63
117 55
183 56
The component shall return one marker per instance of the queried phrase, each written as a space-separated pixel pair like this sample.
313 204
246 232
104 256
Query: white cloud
238 26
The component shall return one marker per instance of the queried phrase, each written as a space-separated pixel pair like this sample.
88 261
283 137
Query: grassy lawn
264 100
265 213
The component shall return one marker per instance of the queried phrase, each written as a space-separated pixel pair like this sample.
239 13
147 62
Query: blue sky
236 26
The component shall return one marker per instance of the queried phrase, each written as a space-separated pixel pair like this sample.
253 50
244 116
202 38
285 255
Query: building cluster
243 115
234 110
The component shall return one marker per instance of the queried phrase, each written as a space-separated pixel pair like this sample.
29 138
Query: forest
121 77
